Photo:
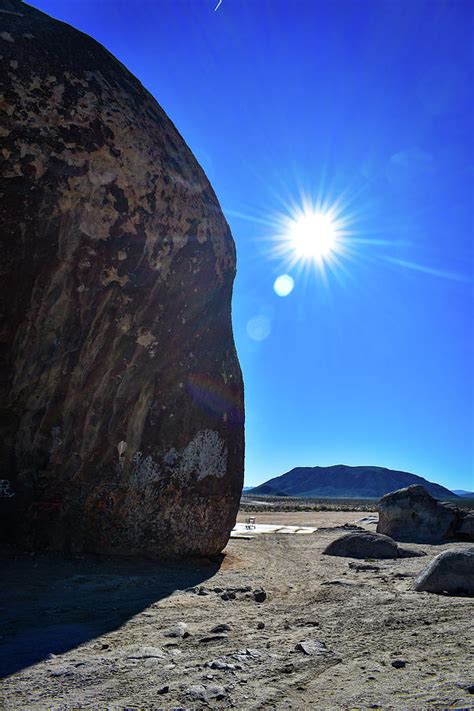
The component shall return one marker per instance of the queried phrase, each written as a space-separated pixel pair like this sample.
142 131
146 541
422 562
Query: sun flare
313 234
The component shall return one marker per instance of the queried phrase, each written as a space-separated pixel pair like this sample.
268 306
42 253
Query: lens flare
283 285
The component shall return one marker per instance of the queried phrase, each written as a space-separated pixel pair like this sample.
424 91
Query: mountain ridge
344 481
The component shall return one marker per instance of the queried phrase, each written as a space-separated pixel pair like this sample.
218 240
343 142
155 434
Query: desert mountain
345 482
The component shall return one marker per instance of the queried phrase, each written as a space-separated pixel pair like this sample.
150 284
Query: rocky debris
222 664
228 595
199 692
302 622
249 654
121 420
368 545
412 514
343 527
178 630
363 566
450 572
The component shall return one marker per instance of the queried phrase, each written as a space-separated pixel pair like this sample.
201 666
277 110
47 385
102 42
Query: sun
313 234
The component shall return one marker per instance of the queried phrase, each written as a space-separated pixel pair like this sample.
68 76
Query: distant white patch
284 285
259 328
244 529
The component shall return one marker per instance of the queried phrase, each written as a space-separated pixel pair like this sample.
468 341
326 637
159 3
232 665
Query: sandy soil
91 633
319 519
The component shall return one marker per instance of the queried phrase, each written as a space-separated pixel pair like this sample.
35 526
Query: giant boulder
121 422
412 514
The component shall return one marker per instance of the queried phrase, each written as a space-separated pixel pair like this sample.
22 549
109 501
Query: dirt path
91 633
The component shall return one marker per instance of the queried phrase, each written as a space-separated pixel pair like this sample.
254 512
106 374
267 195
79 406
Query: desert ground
331 633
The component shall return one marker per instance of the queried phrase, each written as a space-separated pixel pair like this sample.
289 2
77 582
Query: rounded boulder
450 572
121 395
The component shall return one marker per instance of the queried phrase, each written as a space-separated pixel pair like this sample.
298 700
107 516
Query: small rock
221 628
261 625
215 692
199 692
311 647
137 652
288 668
163 690
212 638
240 657
399 663
255 653
222 665
203 591
178 630
259 595
218 590
61 671
228 595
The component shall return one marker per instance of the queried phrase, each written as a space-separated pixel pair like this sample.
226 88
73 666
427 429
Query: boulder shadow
51 603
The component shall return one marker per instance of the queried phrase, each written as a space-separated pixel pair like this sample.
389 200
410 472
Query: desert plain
271 624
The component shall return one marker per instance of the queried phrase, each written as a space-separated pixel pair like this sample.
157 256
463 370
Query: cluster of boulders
412 514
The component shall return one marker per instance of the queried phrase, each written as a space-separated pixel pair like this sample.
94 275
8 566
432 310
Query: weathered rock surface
465 529
412 514
450 572
368 545
121 421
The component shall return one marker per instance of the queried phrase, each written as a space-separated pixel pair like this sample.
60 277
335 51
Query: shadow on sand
51 603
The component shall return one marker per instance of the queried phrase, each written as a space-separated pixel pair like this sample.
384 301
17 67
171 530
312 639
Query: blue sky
366 105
